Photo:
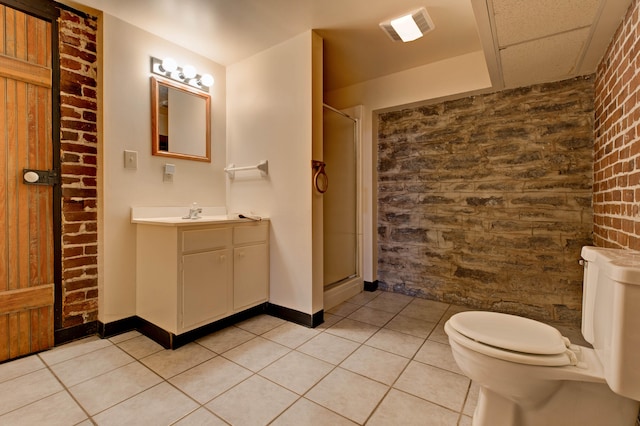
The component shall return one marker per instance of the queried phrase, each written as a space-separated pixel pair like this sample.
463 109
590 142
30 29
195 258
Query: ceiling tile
549 59
519 20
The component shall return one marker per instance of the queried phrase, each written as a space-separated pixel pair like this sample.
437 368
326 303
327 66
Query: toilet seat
511 338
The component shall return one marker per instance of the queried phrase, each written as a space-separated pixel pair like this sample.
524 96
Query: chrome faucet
194 212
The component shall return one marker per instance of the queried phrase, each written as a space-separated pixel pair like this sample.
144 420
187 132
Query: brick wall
486 201
616 192
78 98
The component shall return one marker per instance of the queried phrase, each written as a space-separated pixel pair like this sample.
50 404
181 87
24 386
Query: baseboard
190 336
157 334
170 340
371 286
113 328
68 334
288 314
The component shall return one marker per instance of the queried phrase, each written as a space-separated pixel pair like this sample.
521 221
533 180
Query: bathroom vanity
192 273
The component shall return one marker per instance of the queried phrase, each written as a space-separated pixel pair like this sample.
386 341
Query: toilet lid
509 332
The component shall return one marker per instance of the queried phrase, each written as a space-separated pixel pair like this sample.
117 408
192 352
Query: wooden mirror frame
155 117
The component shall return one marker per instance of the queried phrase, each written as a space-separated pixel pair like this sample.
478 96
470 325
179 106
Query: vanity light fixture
408 27
187 74
206 80
168 65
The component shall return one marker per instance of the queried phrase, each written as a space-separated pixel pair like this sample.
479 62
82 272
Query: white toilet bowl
529 375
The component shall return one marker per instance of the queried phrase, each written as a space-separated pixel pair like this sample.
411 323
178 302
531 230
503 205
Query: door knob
31 177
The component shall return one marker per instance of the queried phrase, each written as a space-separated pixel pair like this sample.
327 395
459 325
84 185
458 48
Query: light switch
130 159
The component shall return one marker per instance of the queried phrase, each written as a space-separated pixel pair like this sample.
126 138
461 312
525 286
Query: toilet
530 375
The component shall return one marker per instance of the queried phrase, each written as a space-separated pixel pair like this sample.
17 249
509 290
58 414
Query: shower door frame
349 287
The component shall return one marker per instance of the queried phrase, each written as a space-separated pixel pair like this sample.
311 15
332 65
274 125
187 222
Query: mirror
180 121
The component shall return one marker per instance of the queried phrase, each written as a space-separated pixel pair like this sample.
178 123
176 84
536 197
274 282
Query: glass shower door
340 208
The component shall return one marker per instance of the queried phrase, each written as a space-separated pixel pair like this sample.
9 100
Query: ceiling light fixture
187 74
408 27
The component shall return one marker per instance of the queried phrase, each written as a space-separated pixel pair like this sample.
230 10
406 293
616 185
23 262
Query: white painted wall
269 117
126 125
463 74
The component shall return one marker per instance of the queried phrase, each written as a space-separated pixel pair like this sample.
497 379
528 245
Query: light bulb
188 72
206 80
169 65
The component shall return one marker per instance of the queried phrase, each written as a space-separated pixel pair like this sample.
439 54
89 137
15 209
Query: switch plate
169 171
130 159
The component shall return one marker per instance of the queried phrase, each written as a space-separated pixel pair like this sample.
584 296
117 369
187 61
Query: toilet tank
611 315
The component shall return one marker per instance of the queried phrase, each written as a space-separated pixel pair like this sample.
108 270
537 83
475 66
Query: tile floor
378 359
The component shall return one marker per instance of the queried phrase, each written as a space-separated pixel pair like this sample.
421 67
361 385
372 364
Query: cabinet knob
241 253
223 258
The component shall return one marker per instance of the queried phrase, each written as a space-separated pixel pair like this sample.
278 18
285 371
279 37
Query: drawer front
204 239
253 233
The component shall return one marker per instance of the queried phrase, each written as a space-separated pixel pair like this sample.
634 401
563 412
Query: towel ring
320 178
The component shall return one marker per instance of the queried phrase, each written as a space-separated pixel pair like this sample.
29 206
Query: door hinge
40 177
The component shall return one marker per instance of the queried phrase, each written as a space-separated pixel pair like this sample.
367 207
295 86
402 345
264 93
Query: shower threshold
338 292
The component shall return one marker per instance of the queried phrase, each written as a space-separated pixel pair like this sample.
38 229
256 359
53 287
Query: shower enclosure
342 277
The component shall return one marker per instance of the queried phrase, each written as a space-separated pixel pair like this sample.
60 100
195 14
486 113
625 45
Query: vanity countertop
173 216
178 221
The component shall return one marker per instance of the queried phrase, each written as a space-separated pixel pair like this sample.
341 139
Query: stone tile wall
486 201
616 192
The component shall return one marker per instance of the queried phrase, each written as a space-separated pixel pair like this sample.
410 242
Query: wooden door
26 216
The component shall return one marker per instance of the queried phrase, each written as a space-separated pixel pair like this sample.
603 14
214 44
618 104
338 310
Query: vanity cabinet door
206 292
250 276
